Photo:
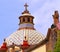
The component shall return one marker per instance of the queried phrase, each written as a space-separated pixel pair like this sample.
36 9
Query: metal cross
26 6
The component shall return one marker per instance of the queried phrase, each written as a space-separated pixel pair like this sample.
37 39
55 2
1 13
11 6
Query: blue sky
10 10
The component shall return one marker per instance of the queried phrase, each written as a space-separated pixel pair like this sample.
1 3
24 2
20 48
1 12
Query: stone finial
56 14
4 39
25 37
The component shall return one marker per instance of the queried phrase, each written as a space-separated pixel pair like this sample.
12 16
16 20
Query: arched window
28 19
23 19
31 20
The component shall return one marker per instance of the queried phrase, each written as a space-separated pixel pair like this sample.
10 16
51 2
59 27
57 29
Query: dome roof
32 36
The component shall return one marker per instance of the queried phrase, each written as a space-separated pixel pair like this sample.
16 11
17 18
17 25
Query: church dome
32 36
26 32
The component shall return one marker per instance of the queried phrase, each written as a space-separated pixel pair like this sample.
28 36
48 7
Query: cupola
26 19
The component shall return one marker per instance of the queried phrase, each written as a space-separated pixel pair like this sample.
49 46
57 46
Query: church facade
27 39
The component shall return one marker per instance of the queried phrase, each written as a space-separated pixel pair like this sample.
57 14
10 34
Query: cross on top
26 6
